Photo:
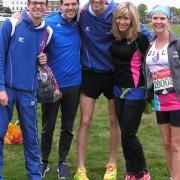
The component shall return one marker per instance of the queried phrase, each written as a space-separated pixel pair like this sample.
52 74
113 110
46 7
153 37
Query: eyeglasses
35 3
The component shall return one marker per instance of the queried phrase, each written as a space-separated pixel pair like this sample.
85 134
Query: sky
150 3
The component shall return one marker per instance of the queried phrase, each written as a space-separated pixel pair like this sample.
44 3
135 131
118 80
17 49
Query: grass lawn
98 150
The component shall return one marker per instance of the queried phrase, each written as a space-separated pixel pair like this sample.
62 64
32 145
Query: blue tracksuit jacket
64 50
20 44
17 66
96 34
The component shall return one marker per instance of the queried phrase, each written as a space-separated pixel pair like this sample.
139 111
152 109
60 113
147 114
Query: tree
1 8
142 9
175 11
7 10
176 14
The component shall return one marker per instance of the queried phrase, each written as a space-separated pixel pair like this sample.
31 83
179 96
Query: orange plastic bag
14 134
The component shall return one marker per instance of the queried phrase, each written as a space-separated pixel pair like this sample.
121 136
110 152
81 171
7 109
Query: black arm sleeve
143 43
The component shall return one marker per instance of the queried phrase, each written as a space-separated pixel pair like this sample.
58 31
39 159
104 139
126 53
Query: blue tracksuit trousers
27 113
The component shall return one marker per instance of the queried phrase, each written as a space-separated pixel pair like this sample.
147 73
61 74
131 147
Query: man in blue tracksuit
97 78
63 54
20 48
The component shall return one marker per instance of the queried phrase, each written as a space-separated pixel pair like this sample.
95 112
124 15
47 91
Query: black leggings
129 113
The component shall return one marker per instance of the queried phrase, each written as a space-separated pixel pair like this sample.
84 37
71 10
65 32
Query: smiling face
159 23
123 22
37 8
126 22
69 9
98 6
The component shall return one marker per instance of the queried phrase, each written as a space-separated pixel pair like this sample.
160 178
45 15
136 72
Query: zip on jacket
19 51
174 63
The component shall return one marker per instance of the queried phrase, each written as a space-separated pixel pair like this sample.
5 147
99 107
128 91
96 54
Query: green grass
98 151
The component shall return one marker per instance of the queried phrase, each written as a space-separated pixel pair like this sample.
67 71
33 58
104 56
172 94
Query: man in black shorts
97 79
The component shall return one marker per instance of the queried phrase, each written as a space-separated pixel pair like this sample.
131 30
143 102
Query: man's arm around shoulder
145 31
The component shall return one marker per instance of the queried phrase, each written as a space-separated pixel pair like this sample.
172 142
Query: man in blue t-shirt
63 54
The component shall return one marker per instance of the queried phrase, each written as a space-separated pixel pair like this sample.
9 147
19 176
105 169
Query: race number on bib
162 81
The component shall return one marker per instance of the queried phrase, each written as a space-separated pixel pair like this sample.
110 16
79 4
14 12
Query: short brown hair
126 8
61 1
30 1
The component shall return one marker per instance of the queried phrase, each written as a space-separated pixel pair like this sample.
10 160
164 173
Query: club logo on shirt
155 59
87 29
155 55
175 54
21 39
58 25
33 103
109 32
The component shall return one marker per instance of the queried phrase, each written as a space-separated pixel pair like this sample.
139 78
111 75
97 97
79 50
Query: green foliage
142 9
7 10
1 8
175 11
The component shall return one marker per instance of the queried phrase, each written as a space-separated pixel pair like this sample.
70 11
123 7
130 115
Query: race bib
162 81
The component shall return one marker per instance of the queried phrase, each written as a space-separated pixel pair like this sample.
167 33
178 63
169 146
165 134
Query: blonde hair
123 9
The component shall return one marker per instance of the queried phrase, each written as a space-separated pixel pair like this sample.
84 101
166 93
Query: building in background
15 5
20 5
53 5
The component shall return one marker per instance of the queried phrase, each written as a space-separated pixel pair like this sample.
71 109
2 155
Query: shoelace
110 167
129 177
82 173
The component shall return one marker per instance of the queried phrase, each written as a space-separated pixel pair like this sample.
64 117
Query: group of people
101 50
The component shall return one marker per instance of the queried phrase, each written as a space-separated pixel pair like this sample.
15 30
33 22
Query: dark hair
30 0
61 1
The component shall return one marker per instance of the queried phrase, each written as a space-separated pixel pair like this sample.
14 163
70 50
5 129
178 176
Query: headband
163 10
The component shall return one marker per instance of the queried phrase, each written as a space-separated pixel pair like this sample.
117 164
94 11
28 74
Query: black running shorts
171 117
94 84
